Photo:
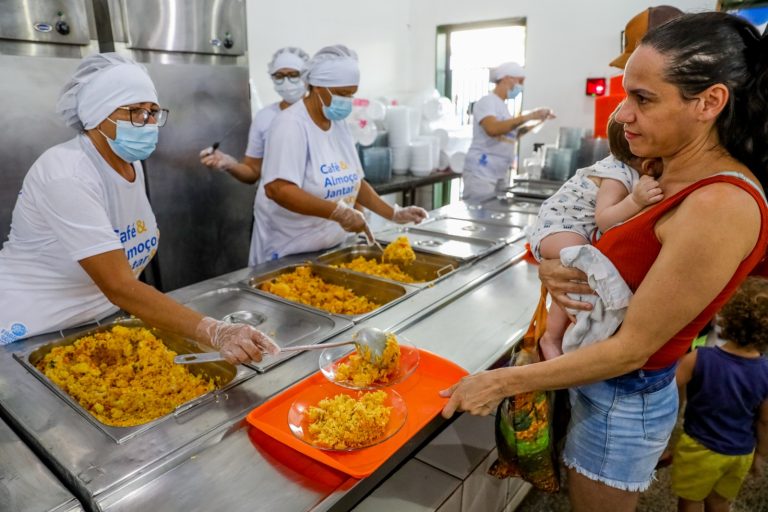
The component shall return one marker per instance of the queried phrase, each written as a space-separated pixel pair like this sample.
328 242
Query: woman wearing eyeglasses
83 230
285 70
312 176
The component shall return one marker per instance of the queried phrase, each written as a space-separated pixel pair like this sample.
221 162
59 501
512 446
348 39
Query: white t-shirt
257 135
322 163
72 205
489 157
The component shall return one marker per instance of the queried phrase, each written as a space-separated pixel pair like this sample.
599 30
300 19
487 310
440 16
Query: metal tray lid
473 229
285 323
442 243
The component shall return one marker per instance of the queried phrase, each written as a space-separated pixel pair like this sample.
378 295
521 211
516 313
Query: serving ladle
375 340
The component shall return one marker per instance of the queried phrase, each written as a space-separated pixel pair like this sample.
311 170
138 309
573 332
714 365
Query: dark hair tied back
711 48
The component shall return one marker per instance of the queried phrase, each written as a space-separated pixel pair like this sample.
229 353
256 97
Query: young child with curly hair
727 411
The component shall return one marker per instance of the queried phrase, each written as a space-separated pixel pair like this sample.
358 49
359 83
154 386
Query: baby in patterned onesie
600 196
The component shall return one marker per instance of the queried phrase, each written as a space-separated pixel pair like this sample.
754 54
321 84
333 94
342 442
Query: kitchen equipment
374 339
287 324
224 374
377 164
41 44
423 401
472 229
459 247
427 268
195 52
559 163
332 357
380 291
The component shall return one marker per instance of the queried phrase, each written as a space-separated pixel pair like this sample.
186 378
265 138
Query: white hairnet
507 69
101 83
288 57
333 66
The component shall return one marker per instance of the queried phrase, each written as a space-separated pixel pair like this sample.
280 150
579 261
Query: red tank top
633 247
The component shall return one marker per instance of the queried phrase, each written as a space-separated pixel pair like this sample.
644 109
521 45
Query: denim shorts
620 427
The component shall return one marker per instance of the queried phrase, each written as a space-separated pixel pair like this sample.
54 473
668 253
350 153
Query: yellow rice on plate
343 422
373 267
361 371
124 377
303 286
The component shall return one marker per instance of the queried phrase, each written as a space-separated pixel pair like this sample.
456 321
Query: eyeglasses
294 77
140 116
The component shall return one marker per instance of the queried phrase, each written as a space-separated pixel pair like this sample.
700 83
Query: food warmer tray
427 269
381 291
458 247
286 323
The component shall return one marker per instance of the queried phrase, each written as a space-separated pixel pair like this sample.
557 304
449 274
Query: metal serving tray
509 203
427 268
494 233
225 374
285 323
461 248
377 290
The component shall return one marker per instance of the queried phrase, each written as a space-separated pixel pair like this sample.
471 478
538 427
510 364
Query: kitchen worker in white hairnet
312 177
285 69
83 230
495 132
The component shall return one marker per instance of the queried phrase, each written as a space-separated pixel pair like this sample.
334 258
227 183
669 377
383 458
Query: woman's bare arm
700 253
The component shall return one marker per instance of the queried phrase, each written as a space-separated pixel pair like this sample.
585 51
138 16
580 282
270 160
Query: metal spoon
372 338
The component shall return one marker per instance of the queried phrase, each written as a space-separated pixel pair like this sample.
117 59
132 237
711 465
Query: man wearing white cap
312 177
83 230
494 133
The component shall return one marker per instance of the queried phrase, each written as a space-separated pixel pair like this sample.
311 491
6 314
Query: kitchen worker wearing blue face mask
285 70
495 132
83 230
312 177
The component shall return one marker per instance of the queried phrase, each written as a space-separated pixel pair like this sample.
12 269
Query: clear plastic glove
413 214
238 343
348 218
542 114
217 159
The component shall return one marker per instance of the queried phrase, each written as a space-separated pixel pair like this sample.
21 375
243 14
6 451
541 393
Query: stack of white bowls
457 161
422 159
398 121
434 143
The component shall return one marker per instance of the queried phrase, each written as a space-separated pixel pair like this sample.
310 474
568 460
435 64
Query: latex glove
217 159
238 343
414 214
348 218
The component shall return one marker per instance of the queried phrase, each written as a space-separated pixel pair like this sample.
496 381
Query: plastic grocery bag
524 438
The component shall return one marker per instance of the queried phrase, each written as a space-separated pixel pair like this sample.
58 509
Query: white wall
377 31
567 41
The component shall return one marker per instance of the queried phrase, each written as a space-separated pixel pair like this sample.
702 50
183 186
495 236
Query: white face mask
290 91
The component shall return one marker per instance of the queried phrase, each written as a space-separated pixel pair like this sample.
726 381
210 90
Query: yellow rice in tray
343 422
361 371
124 377
303 286
373 267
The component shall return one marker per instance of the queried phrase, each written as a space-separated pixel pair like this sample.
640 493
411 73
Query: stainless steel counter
208 459
26 485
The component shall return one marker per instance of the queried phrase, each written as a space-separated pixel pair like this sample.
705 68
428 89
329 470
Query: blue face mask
339 109
514 91
133 142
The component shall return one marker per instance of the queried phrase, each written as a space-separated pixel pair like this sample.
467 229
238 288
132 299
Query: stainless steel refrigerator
195 51
41 43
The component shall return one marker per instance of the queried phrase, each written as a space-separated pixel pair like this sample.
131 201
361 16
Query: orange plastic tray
420 392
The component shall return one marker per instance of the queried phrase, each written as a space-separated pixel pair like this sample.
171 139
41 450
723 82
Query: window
467 51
